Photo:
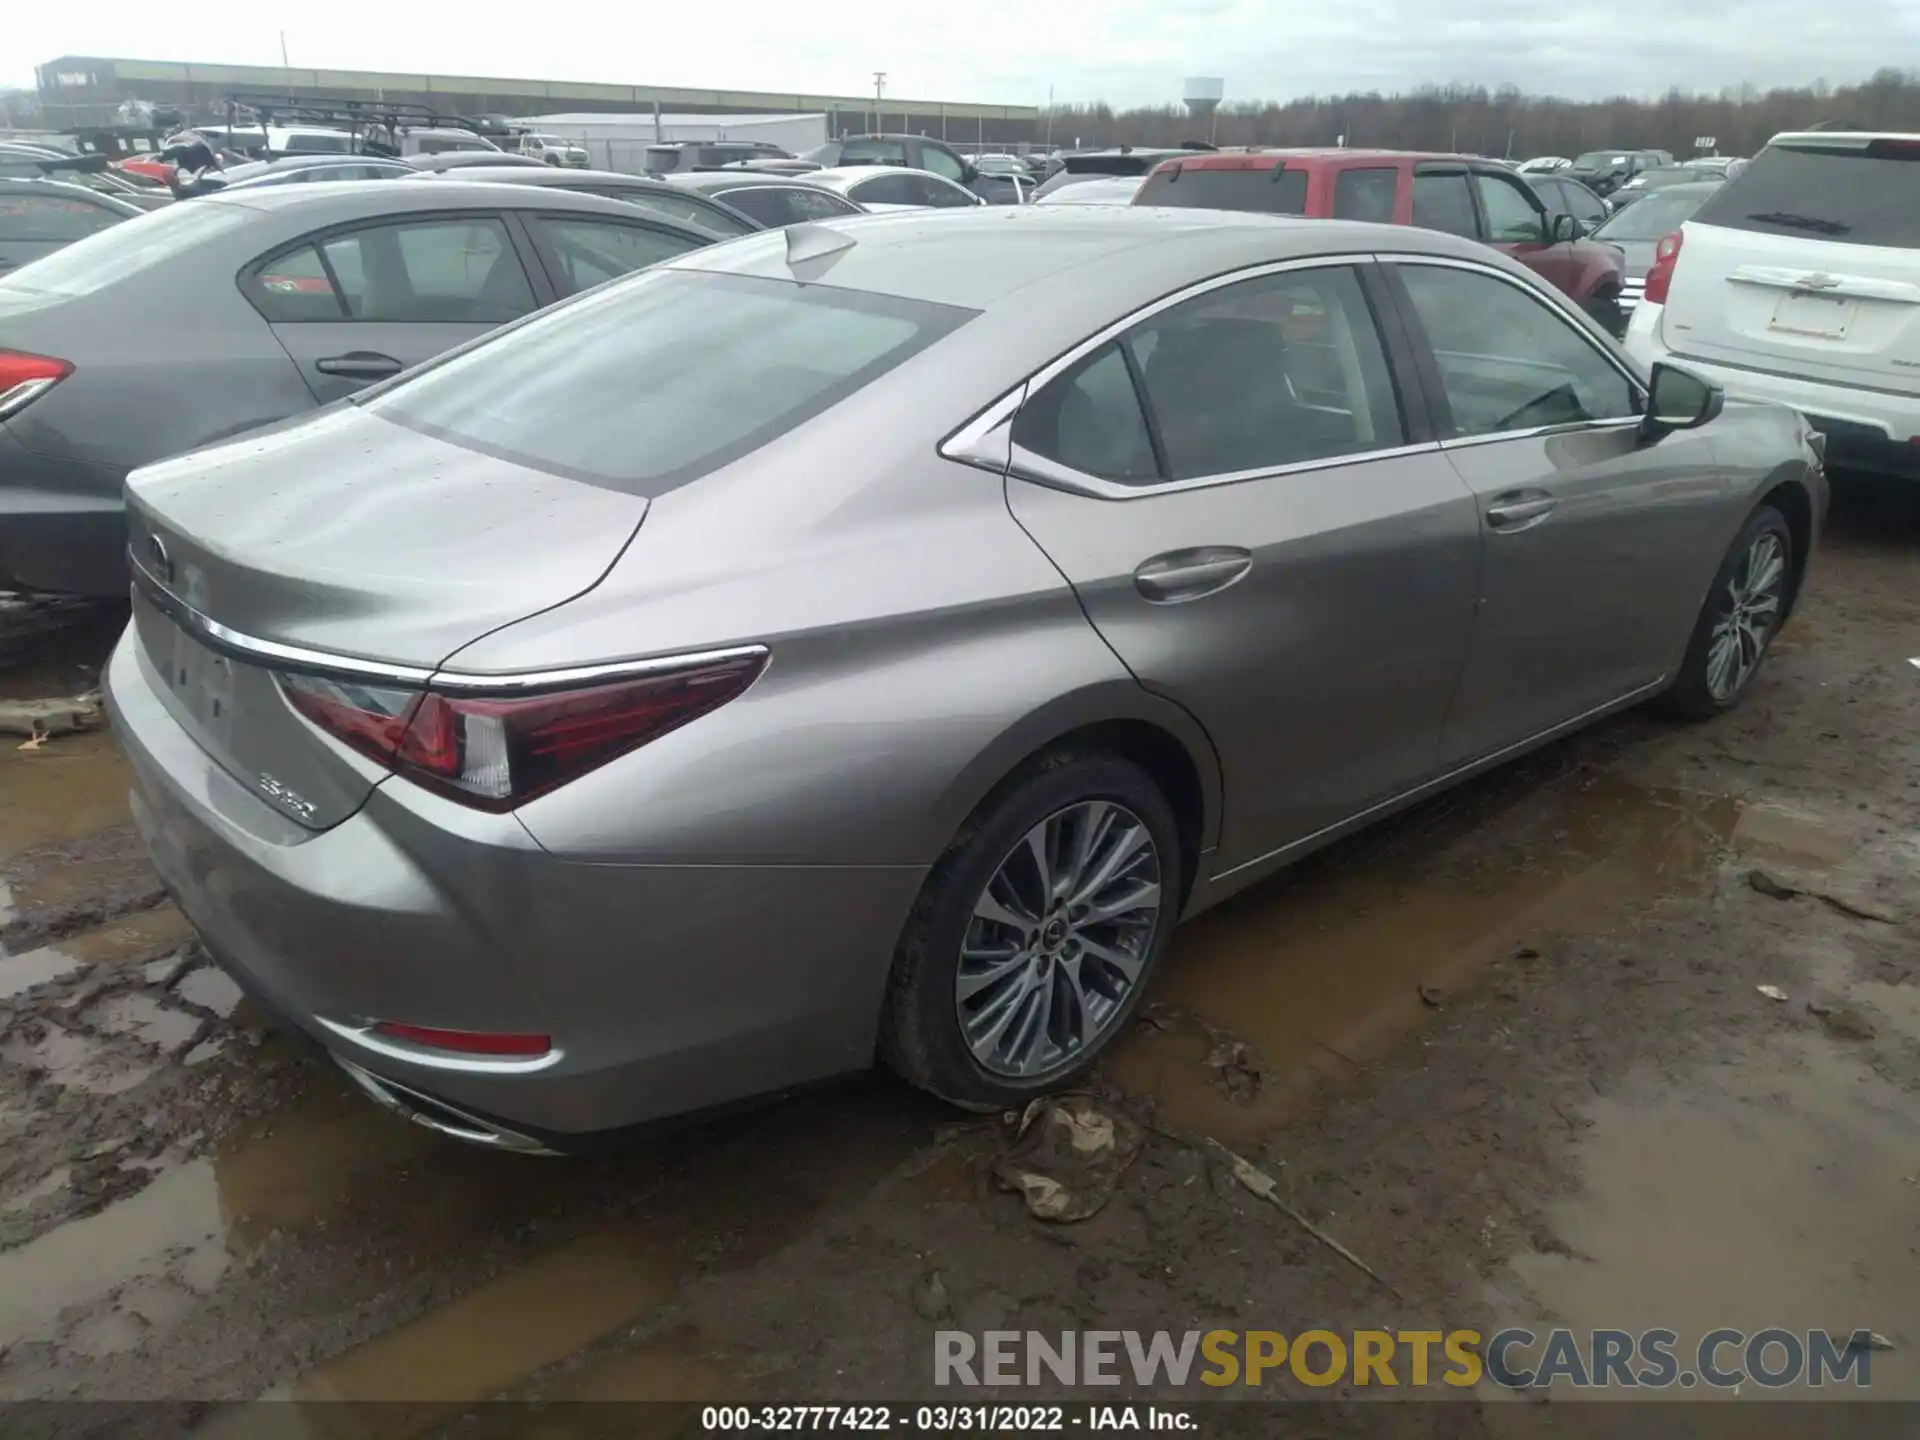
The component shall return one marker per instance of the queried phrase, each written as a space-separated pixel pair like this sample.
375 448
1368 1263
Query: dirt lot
1507 1049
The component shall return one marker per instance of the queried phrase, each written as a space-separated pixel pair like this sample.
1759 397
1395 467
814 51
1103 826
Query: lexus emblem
162 561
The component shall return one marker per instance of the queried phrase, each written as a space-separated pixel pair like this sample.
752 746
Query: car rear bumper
1865 429
63 525
666 989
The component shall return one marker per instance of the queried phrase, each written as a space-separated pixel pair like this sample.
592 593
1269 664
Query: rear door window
873 152
777 205
454 271
888 190
1861 193
646 386
676 204
581 253
940 163
1275 191
1366 194
1441 201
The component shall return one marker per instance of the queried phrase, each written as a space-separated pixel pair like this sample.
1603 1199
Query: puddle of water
75 786
674 1368
481 1343
1798 835
1770 1193
147 1235
21 973
1319 970
211 989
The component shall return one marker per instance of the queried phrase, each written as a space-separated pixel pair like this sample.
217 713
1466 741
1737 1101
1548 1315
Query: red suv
1480 199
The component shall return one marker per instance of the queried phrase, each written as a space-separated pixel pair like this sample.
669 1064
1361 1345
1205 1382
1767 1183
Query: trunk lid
1804 264
345 536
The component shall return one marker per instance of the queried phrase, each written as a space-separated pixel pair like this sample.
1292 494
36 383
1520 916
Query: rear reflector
24 378
465 1042
496 752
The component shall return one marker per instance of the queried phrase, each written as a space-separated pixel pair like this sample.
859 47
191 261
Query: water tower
1202 96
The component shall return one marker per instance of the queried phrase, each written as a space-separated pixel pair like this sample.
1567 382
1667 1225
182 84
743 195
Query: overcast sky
1010 51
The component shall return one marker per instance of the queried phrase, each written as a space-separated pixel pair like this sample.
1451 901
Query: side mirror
1679 400
1567 228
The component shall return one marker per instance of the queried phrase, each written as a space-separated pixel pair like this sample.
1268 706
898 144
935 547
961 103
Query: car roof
62 190
844 177
355 199
1253 158
979 256
544 175
720 181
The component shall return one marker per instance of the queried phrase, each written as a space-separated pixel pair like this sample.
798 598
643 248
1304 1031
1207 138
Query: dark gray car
38 217
770 200
230 312
656 195
1637 229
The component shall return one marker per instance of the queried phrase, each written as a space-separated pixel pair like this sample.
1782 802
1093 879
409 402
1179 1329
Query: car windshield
652 382
1599 160
1653 218
1271 191
127 250
1865 193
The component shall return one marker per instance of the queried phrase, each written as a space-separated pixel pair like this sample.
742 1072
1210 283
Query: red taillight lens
465 1042
1665 256
499 751
24 378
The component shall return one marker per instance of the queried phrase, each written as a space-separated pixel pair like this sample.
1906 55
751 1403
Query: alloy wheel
1753 598
1057 941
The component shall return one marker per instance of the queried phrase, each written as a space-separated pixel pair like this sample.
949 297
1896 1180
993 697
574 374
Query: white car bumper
1862 414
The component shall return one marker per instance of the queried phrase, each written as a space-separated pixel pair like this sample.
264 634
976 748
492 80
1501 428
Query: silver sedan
872 638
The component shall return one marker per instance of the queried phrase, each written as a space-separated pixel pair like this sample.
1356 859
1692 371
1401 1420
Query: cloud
1010 51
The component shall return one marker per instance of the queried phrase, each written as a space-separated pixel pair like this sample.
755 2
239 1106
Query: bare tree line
1505 122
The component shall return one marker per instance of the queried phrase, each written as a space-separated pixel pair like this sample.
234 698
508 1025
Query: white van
1799 282
553 150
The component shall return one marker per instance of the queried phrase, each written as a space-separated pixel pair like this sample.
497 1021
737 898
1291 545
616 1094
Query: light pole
879 88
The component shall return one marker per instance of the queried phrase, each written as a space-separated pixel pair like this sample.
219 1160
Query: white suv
1799 282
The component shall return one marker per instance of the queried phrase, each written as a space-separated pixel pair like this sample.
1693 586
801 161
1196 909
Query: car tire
1605 309
1064 796
1704 687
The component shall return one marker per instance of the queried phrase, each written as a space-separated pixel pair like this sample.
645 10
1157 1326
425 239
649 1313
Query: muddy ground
1507 1049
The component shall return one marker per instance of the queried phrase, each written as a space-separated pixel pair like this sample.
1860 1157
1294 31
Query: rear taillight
25 378
466 1042
1665 256
498 751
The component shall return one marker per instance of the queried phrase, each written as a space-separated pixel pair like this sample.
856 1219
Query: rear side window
647 385
1366 194
1090 420
873 152
677 205
1861 194
1270 192
121 252
1441 202
51 219
777 205
460 272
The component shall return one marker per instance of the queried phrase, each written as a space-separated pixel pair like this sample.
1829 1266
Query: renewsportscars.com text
1516 1359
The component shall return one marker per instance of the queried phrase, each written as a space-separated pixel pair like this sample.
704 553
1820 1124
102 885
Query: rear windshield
1860 194
655 381
1655 217
1271 192
126 250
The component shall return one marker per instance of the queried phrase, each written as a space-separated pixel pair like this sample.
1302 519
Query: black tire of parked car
1604 307
1689 698
920 1035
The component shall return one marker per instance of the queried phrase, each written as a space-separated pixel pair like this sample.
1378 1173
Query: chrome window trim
366 1037
973 443
251 649
1578 427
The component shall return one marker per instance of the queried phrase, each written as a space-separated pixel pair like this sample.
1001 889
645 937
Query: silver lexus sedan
872 637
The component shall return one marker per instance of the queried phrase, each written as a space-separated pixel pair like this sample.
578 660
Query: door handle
359 365
1189 574
1520 510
